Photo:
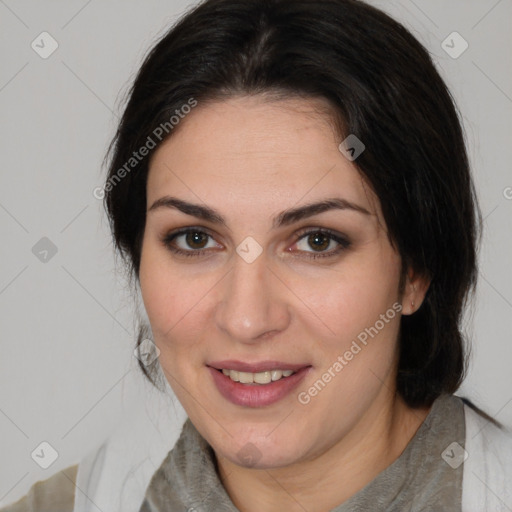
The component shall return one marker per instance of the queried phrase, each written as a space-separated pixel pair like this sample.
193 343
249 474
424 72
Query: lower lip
256 395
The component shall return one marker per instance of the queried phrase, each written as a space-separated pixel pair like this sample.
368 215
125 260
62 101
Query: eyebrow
285 218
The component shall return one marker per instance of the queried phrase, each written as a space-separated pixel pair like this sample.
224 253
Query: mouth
256 384
264 377
262 372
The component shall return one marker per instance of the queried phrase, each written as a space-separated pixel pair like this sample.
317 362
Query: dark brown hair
384 88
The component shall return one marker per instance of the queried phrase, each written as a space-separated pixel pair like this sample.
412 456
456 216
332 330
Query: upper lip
260 366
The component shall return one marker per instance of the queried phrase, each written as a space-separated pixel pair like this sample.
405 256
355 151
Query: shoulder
487 482
55 494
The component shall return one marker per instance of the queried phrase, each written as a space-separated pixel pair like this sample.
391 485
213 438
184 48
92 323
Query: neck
326 481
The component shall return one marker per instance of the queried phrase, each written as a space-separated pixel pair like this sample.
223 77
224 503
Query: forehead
251 126
249 150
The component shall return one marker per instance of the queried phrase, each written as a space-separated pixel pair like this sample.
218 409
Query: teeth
257 378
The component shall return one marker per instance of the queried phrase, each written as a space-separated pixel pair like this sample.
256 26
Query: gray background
67 372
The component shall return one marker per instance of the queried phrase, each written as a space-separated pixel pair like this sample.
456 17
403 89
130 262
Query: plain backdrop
67 371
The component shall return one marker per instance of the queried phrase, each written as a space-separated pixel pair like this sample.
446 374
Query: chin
254 457
263 449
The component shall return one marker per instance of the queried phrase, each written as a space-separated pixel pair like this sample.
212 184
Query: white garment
114 478
487 477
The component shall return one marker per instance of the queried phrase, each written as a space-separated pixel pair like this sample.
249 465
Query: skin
250 158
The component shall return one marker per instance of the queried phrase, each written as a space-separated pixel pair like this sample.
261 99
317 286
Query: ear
415 289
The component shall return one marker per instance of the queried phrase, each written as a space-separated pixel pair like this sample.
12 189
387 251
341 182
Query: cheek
161 291
174 301
156 292
359 310
352 297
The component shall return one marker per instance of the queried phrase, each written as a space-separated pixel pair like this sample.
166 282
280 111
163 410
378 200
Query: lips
261 366
256 395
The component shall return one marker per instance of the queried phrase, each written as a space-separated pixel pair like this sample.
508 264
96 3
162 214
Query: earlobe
414 293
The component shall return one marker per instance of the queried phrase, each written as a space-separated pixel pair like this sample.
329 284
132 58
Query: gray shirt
427 477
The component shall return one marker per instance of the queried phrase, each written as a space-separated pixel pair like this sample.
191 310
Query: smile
260 387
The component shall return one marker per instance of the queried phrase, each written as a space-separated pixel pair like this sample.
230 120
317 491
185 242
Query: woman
290 188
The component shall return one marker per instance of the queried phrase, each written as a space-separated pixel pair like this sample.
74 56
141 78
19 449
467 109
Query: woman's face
258 287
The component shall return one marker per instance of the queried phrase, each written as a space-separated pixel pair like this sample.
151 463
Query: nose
253 303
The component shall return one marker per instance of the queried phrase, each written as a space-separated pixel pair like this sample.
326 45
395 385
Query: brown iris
314 238
194 238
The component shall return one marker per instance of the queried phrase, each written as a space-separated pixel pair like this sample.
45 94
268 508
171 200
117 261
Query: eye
321 239
194 242
188 242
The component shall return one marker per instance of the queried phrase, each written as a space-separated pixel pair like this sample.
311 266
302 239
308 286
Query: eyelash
343 242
